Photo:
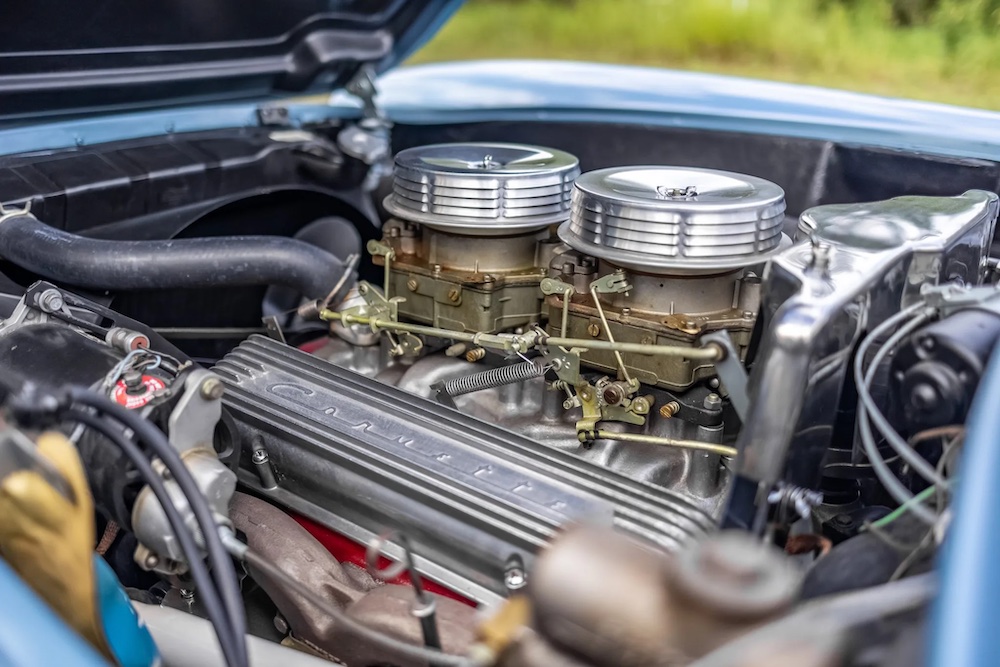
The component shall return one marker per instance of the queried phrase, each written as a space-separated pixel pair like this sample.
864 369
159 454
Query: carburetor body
469 239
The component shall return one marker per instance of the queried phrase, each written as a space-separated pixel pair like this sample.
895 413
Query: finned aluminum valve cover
362 457
669 219
482 189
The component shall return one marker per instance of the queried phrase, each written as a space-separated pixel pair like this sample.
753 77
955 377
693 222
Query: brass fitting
475 354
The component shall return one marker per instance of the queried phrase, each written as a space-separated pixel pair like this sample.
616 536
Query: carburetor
660 256
470 236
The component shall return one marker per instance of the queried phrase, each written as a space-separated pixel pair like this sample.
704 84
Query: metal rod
711 352
722 450
611 339
567 295
708 353
385 280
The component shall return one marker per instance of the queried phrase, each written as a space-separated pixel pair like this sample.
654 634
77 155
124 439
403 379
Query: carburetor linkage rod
524 342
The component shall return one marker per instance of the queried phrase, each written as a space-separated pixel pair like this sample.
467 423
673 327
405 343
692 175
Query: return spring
493 378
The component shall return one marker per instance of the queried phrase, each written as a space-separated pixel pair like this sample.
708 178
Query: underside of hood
85 56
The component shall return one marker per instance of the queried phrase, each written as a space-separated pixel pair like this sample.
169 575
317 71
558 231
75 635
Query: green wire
904 508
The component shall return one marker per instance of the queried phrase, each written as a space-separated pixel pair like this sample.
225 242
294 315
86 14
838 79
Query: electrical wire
904 508
895 441
913 556
216 552
892 485
342 620
207 591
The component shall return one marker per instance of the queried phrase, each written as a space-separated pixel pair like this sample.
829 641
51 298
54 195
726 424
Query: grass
852 46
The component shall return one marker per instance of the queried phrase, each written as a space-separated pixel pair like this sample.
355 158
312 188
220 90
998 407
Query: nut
412 284
594 329
212 388
454 295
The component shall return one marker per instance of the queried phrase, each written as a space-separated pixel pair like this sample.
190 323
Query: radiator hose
222 261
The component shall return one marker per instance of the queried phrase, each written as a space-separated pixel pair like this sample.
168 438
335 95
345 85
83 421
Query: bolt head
51 301
594 330
212 389
515 578
454 295
412 284
259 456
152 560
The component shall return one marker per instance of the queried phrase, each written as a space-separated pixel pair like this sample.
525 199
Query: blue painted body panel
556 90
32 635
551 90
480 91
963 622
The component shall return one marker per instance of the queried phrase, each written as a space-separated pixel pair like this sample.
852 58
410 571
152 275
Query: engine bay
472 401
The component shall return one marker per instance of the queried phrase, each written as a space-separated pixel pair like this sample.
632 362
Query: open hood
84 56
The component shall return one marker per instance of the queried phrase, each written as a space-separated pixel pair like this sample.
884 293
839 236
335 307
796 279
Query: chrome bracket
730 370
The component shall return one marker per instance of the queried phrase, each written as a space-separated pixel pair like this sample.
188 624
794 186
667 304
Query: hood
87 56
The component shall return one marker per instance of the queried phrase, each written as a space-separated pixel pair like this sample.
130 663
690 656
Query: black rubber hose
221 261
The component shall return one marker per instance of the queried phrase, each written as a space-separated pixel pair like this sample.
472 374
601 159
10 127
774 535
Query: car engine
544 416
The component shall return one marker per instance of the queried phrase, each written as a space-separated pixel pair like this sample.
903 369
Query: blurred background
937 50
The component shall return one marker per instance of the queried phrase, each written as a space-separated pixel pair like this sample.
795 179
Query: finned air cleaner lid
483 188
660 219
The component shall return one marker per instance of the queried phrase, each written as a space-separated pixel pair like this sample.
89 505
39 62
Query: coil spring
493 378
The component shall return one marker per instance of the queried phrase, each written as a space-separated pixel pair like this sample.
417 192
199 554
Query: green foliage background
938 50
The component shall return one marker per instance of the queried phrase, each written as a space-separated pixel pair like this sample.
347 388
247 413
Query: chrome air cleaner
670 219
483 189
